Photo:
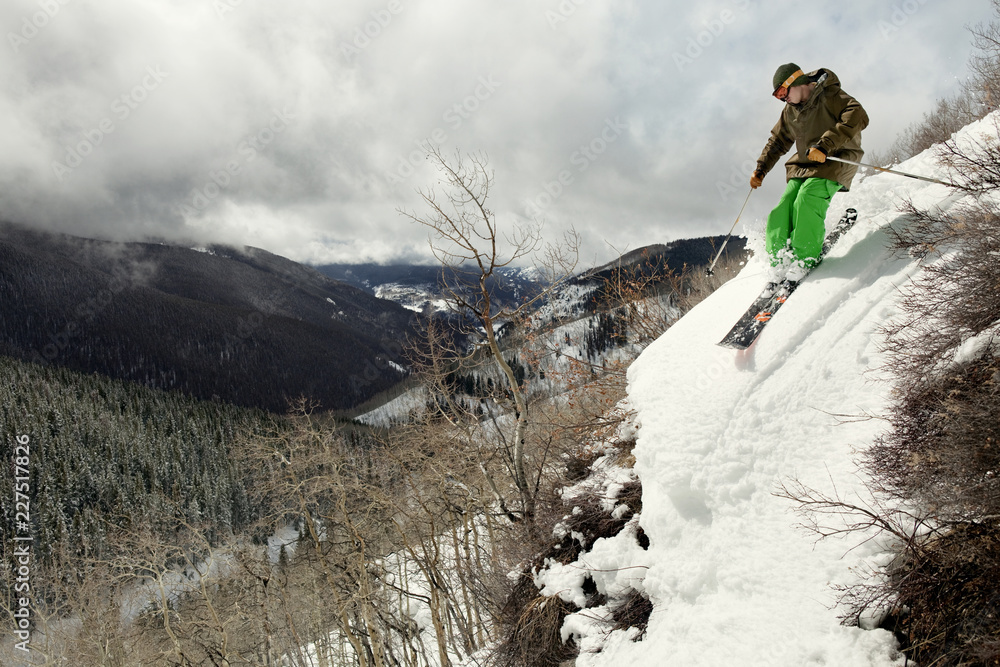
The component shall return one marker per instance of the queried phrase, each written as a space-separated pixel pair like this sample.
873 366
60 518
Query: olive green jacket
831 120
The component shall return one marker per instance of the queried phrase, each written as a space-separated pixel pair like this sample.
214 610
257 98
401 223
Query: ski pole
708 271
893 171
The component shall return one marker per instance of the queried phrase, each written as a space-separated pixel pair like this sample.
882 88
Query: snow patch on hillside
398 410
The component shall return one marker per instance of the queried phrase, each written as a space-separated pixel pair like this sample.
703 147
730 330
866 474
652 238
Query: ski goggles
781 92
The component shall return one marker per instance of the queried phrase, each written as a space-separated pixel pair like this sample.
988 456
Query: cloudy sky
301 126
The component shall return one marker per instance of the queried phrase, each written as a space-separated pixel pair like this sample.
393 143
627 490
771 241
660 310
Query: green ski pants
799 219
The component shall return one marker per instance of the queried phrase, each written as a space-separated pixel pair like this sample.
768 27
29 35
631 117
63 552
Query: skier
819 119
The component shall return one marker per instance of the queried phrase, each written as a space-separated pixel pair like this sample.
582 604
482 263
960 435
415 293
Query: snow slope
734 578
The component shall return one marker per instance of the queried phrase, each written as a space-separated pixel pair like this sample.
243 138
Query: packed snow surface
734 577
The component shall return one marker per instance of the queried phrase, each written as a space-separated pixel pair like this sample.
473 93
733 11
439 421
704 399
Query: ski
760 312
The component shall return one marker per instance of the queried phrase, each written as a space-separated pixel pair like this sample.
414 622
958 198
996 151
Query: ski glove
756 179
816 155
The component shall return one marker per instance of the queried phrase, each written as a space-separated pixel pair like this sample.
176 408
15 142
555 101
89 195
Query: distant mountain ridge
418 286
690 253
657 260
239 325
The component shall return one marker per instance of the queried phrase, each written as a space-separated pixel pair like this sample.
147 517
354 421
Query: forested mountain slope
242 326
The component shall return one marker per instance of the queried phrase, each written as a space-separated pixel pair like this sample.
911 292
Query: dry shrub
532 629
951 599
955 297
631 495
975 162
626 448
944 449
578 464
590 520
634 612
941 456
530 622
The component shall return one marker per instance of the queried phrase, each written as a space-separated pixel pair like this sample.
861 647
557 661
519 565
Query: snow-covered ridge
732 578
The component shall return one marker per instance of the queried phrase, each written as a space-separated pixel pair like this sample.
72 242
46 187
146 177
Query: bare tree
468 241
313 480
985 63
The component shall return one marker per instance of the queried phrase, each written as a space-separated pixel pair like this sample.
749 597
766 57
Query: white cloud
170 100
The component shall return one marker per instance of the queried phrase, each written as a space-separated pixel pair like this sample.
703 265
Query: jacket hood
826 83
